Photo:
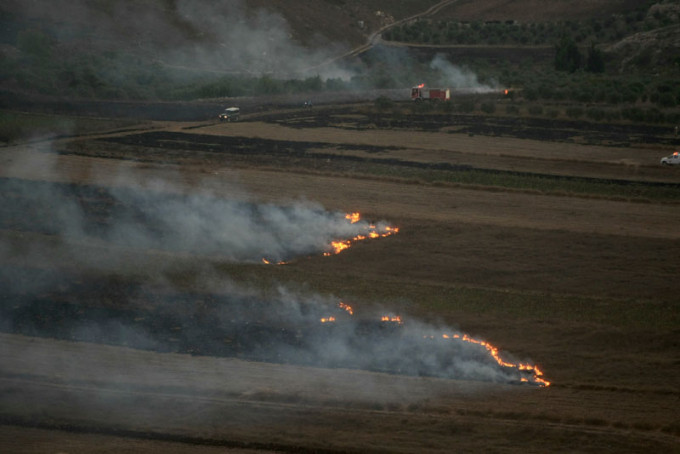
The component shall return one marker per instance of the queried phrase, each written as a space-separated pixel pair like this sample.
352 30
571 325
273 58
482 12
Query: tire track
375 37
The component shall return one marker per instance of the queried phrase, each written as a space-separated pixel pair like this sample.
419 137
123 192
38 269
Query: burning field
283 328
280 287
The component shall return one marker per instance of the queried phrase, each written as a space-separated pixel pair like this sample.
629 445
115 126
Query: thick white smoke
197 37
459 78
266 324
256 44
157 215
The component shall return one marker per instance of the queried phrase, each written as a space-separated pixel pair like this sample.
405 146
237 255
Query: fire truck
420 93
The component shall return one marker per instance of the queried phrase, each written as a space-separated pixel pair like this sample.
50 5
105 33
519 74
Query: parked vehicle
420 93
672 160
230 114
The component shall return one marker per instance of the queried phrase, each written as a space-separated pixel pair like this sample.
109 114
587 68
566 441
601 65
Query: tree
34 42
383 103
567 56
595 60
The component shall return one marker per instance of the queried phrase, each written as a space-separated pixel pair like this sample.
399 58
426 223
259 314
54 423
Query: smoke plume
459 78
270 323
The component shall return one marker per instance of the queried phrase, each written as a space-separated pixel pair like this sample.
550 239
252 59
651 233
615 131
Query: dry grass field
583 283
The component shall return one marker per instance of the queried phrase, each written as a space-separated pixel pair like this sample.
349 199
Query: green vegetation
627 97
610 29
581 81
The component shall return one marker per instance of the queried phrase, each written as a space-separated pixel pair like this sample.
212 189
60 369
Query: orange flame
353 218
391 318
268 262
506 91
493 351
537 374
346 307
340 245
421 86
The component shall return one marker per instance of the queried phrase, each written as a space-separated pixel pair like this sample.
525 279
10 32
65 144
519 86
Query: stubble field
556 243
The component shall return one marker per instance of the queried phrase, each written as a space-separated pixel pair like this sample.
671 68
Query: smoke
459 78
194 38
257 44
156 215
268 322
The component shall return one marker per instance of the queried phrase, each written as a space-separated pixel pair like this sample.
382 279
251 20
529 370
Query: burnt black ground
170 146
241 326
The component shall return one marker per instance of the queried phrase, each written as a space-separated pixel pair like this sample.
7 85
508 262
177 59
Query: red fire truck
420 93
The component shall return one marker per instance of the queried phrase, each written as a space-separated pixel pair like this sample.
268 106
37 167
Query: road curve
374 38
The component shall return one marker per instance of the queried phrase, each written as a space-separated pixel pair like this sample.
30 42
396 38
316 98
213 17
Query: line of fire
369 231
523 372
249 327
391 328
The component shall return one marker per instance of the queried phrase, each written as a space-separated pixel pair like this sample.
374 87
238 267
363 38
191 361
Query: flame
353 218
346 307
372 233
391 318
421 86
536 373
268 262
506 91
493 351
338 247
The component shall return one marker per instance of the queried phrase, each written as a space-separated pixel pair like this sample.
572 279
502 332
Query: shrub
383 103
511 109
633 114
595 113
667 100
574 112
446 107
466 106
530 94
567 56
34 42
585 95
535 110
614 97
488 107
654 116
595 60
612 115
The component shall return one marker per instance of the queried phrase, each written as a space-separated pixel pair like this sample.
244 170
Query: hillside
172 49
536 10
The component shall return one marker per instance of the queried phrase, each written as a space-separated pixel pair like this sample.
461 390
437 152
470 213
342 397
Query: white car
230 114
672 160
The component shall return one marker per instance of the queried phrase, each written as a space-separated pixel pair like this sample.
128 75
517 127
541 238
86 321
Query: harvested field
556 242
